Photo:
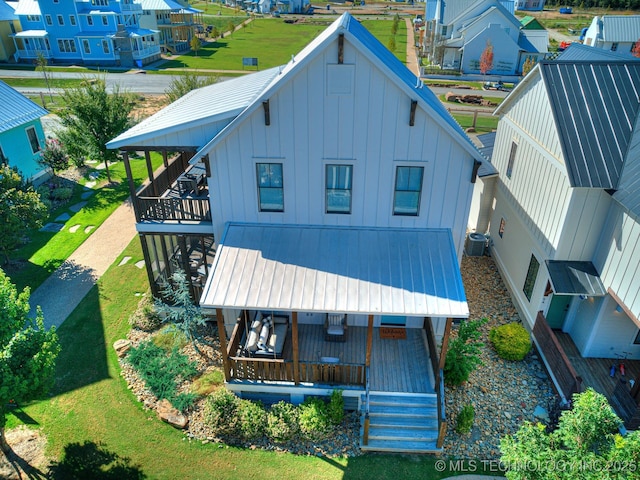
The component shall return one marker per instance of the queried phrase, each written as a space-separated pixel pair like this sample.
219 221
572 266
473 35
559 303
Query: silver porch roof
345 269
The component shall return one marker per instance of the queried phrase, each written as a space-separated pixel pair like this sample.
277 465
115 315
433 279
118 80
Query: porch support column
296 355
147 158
222 333
132 186
369 341
445 344
165 160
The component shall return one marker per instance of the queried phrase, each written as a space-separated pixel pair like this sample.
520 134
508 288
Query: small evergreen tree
463 355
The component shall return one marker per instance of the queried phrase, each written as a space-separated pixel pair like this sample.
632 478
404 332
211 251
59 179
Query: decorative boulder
171 415
121 347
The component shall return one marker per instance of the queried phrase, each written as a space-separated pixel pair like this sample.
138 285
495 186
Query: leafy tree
635 50
183 314
486 59
21 210
196 44
183 84
230 27
41 64
391 44
54 156
27 352
463 355
214 32
91 117
529 63
586 445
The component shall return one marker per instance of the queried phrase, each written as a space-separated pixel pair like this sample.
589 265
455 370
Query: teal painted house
21 134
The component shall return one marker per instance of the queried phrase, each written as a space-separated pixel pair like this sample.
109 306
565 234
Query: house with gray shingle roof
565 224
618 33
21 134
321 206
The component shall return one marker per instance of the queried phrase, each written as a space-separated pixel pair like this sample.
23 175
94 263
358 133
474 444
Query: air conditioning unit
475 245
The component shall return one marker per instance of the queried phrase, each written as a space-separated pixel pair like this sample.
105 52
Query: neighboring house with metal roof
332 189
9 25
90 32
21 134
175 20
565 226
459 31
530 5
618 33
578 51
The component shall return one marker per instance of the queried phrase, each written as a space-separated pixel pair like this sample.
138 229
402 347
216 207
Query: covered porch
299 274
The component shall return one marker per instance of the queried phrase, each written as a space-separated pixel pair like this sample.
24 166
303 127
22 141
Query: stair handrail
365 436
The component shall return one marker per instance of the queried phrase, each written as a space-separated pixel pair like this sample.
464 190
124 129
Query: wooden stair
404 423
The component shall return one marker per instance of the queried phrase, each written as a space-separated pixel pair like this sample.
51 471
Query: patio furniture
190 180
335 327
266 336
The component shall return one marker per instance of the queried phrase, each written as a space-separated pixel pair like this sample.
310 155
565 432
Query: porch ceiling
337 269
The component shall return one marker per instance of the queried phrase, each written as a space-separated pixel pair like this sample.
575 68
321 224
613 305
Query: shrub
282 422
162 371
464 421
314 421
169 338
62 193
221 412
44 192
511 341
335 408
463 353
145 317
252 419
207 383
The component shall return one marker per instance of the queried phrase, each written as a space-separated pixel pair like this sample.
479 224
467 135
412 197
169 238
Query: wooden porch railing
568 380
333 373
243 368
192 209
164 177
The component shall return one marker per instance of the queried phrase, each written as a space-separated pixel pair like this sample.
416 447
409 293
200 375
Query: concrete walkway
412 58
61 293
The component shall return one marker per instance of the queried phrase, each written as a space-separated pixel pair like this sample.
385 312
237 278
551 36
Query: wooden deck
595 371
396 365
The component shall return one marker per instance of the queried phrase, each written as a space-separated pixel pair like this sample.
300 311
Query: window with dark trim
270 187
512 158
89 20
636 341
338 188
47 19
3 158
614 46
60 19
85 46
532 275
33 139
105 46
408 189
72 20
501 228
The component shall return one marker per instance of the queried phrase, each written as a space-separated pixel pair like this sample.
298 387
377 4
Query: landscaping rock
170 415
541 413
121 347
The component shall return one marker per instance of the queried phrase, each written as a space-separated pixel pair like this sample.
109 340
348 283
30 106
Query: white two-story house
337 193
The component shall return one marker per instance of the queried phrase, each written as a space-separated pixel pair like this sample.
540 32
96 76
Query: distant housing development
618 33
126 33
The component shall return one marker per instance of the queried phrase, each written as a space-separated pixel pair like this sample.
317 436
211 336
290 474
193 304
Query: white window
60 19
85 46
105 21
100 3
408 190
33 18
338 188
270 187
89 20
72 20
512 159
47 19
67 45
33 139
105 46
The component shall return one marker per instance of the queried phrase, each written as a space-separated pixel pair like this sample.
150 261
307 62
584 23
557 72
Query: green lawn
91 407
46 251
40 83
381 29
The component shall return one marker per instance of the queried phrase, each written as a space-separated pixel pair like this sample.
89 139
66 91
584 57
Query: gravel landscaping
503 393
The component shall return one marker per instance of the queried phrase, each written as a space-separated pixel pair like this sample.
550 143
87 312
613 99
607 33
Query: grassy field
46 251
91 409
381 29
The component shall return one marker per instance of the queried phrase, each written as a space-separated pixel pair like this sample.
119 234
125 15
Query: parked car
494 86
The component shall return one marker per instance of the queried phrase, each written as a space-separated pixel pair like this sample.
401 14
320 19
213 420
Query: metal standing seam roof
199 106
595 106
575 278
620 28
488 141
160 5
28 7
577 51
17 109
6 12
337 269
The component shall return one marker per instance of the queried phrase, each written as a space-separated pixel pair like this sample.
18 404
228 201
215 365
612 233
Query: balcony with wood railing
172 194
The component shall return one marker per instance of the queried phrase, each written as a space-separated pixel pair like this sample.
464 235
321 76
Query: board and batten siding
618 259
368 128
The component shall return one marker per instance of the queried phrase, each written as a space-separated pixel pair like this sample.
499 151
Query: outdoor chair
335 327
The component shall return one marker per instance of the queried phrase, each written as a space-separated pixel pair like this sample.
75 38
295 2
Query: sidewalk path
412 58
61 293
